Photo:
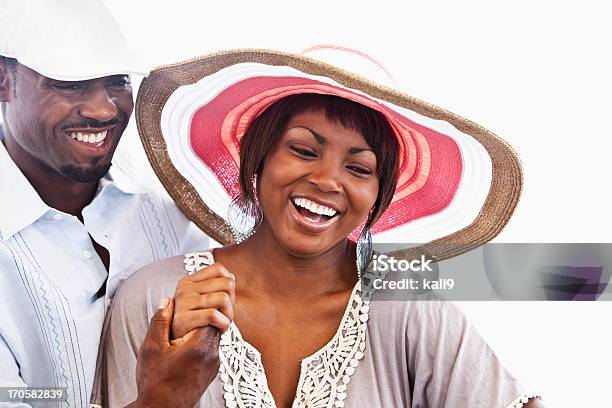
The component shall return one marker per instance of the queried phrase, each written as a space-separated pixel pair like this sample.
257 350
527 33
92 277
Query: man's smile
96 139
91 141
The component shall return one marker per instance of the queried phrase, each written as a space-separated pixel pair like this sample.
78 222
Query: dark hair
267 128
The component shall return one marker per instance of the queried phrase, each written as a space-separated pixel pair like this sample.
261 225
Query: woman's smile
311 215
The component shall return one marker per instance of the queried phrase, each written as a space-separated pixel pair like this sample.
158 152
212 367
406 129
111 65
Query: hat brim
490 216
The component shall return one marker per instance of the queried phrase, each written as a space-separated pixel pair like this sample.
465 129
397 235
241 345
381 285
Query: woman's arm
452 365
167 356
166 370
162 366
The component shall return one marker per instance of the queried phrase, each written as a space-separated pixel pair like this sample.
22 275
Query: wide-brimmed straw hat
458 182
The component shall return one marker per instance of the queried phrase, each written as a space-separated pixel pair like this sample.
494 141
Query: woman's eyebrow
322 140
355 150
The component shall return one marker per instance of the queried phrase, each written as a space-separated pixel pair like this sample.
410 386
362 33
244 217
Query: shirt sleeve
125 328
452 366
9 374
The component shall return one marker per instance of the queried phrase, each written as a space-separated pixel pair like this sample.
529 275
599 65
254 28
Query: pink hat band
430 162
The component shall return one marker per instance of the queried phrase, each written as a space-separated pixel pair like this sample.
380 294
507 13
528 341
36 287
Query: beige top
385 354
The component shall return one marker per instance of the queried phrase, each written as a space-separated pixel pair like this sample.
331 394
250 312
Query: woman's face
319 182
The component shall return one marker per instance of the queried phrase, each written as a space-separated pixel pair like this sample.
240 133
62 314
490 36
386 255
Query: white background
536 73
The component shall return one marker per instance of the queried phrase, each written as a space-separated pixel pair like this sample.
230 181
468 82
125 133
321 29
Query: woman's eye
364 171
304 151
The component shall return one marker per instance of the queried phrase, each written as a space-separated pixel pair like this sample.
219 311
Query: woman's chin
308 247
302 243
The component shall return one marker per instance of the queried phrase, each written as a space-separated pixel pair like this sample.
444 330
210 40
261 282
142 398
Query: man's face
69 127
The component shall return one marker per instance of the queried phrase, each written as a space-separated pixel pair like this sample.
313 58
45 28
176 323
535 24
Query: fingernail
232 275
164 303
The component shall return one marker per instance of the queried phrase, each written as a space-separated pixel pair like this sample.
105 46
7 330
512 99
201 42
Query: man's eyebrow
58 81
322 140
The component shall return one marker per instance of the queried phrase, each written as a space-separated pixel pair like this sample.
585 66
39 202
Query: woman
298 325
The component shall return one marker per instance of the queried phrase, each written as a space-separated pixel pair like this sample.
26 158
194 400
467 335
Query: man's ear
6 81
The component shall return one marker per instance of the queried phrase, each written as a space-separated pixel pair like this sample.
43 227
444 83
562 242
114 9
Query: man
70 230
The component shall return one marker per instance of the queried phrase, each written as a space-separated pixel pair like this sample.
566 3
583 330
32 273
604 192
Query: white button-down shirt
51 312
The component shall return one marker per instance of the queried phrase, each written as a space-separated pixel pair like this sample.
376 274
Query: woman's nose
326 176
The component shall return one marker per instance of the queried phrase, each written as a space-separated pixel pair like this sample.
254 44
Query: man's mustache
94 124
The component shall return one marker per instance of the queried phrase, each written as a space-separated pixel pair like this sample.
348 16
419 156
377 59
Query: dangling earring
243 219
244 216
364 250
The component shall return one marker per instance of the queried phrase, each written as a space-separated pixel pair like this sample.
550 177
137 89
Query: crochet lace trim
522 399
324 376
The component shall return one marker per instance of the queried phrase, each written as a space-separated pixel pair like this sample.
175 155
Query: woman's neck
266 268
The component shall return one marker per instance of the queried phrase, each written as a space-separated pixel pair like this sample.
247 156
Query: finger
217 300
219 284
188 321
213 271
159 327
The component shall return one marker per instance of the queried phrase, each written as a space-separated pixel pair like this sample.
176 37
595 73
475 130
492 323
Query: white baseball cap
68 40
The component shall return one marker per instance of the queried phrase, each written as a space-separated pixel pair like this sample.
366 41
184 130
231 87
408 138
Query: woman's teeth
314 207
93 138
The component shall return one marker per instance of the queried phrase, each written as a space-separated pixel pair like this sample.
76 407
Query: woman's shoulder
150 284
158 274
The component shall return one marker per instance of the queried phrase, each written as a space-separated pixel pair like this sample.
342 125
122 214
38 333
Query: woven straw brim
506 183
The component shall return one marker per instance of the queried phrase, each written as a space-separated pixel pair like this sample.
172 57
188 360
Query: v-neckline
354 322
317 353
321 350
354 297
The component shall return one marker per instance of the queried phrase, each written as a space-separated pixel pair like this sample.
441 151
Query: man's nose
98 104
326 176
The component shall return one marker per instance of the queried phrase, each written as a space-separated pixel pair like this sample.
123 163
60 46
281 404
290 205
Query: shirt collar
21 205
123 179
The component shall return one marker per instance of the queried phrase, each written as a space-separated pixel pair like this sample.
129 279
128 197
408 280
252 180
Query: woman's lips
314 223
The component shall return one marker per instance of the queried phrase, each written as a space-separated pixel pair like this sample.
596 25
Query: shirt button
58 217
86 254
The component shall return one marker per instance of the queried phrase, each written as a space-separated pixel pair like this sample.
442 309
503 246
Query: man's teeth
314 207
86 137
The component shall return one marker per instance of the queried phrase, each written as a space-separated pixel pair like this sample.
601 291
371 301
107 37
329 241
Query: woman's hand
205 298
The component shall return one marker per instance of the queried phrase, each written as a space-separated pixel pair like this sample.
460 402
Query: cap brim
105 64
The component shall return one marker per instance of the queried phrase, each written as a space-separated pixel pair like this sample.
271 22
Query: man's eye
68 87
121 82
305 152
